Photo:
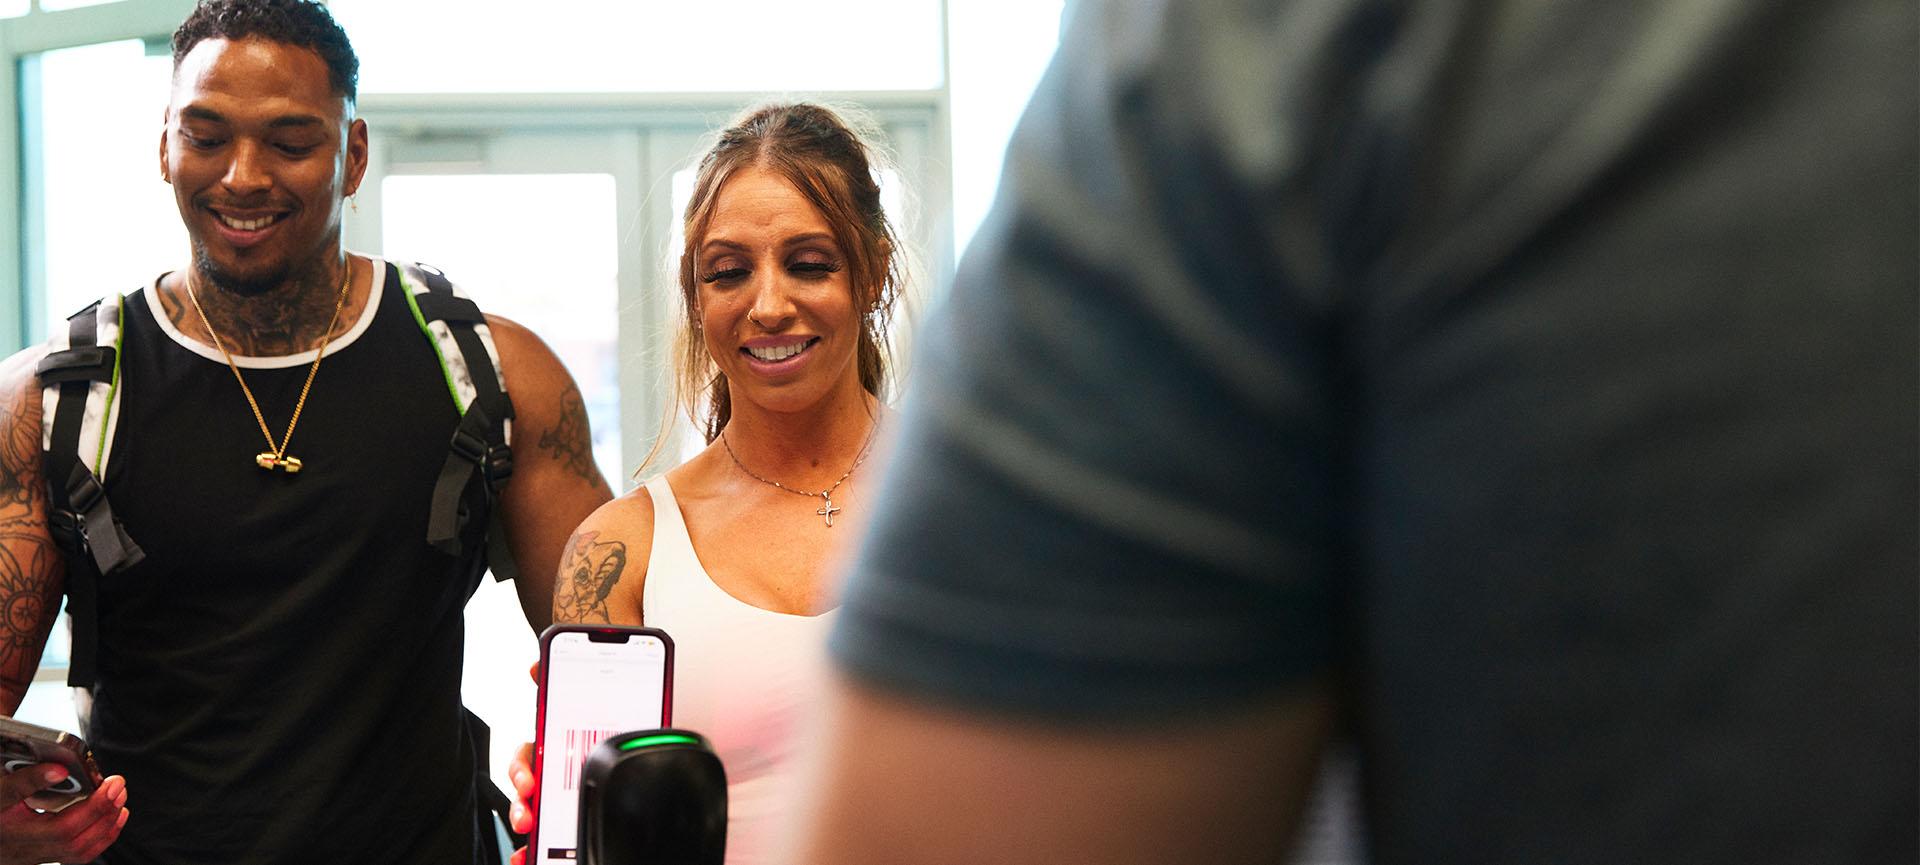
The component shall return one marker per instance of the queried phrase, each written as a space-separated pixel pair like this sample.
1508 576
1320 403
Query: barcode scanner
653 797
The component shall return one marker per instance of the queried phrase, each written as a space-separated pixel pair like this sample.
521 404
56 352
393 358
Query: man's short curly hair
293 22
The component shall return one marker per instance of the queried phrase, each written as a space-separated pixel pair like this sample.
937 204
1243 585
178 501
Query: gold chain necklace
275 457
827 509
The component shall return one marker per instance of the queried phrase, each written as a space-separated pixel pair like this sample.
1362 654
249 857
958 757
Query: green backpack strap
480 456
479 462
80 398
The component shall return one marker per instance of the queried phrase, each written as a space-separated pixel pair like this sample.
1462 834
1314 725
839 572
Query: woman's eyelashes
808 268
816 268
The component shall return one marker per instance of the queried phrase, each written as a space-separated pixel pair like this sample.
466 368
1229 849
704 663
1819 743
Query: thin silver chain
827 510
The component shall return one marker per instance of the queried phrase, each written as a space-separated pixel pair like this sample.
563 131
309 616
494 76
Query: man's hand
78 834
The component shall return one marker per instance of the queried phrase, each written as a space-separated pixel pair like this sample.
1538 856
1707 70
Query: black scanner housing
653 797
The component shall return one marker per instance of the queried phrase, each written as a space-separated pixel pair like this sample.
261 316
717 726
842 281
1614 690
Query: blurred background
538 153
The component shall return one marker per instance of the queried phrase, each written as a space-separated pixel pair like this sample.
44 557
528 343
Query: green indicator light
650 741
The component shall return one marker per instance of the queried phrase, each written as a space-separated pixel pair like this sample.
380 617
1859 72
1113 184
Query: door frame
22 41
642 140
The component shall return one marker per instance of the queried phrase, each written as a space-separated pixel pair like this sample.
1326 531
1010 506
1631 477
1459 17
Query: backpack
79 400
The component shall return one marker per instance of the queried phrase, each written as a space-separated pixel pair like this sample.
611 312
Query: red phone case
540 716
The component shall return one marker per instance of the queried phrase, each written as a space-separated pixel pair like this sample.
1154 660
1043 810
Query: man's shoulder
19 371
416 276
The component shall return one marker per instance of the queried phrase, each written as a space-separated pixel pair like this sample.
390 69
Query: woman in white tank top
787 278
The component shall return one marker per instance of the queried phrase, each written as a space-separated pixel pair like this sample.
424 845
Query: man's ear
166 173
356 155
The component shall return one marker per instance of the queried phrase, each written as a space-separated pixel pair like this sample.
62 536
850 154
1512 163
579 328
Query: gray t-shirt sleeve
1113 487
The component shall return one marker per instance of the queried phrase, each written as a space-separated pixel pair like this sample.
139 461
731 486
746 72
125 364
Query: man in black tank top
279 676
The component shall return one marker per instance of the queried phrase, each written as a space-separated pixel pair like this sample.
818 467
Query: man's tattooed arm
556 486
31 569
569 440
588 573
29 601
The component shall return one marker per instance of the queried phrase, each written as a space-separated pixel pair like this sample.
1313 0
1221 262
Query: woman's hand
520 772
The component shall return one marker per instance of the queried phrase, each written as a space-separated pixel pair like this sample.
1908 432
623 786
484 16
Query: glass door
565 218
80 158
531 226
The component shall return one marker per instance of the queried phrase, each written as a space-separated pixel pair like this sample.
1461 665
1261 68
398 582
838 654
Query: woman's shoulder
629 510
603 569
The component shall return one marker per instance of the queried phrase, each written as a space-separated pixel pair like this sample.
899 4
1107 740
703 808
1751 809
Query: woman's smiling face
777 302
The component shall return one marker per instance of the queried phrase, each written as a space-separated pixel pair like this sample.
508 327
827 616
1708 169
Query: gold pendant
266 460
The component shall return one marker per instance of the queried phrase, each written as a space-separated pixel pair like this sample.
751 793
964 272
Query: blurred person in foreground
787 282
1524 392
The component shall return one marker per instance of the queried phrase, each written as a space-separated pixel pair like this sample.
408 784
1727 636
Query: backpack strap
493 818
479 462
480 456
79 380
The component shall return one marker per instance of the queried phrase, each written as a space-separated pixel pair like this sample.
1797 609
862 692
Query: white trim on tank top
277 361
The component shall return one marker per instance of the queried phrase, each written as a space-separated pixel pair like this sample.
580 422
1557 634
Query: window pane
1000 48
482 46
541 250
49 703
13 8
111 224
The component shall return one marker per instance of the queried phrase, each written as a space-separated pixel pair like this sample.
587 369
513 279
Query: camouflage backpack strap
80 398
480 457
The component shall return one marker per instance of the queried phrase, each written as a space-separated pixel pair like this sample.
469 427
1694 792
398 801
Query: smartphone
596 681
23 745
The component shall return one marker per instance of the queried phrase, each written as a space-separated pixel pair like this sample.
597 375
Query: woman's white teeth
248 224
774 353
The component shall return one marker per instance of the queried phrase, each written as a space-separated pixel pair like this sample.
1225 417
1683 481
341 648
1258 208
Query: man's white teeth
778 352
247 224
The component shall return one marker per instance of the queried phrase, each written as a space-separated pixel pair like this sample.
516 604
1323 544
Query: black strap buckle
498 467
69 529
469 445
83 363
83 491
495 461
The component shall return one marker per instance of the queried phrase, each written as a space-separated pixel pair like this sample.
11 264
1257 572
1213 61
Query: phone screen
596 682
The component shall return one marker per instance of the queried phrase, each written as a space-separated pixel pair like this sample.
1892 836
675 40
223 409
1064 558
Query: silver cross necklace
827 508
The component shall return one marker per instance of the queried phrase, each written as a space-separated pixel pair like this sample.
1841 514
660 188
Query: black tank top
279 680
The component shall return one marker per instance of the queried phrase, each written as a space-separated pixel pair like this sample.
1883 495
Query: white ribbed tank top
742 676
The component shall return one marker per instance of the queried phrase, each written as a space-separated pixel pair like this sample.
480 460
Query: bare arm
555 482
32 577
32 573
605 566
599 581
894 780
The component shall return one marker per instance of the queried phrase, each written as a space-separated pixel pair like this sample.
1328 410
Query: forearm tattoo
27 605
570 440
29 562
589 572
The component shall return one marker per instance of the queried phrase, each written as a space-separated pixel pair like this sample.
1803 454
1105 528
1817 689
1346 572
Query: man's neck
287 319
